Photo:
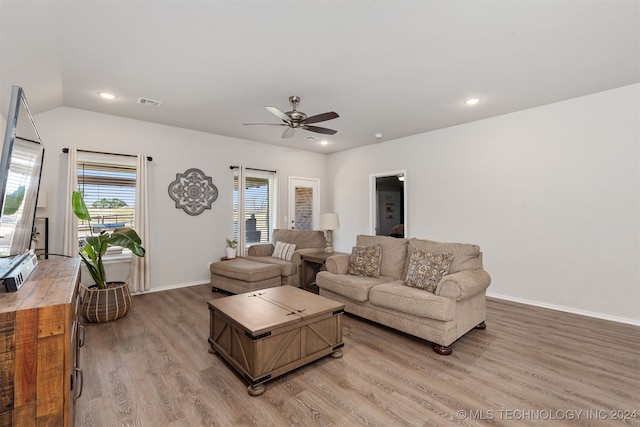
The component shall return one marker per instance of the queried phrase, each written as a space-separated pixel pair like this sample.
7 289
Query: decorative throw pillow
283 250
365 261
427 269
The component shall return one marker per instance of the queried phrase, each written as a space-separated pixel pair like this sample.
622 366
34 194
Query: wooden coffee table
267 333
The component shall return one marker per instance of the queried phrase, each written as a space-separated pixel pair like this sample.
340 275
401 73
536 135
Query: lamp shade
329 221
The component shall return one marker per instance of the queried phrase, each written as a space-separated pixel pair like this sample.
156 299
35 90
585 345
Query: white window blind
258 206
109 191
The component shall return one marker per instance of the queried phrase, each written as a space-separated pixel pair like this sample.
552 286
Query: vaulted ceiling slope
394 68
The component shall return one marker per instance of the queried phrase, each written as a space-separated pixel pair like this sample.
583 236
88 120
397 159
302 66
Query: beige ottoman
242 275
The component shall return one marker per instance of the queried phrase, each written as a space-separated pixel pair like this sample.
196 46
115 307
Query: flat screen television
20 170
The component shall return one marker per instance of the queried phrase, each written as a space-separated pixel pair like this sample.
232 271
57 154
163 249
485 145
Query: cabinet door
77 341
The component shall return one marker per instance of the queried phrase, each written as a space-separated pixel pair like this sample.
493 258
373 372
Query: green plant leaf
88 252
98 278
127 238
79 207
99 243
92 256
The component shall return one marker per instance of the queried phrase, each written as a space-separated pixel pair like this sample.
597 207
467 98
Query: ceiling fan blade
265 124
322 117
278 113
288 133
318 129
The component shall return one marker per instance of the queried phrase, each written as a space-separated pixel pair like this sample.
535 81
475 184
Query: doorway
304 203
389 204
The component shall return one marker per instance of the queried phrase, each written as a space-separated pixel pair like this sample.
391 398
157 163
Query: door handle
79 374
81 336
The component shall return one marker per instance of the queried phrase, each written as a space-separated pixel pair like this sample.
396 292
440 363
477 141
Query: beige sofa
457 305
290 271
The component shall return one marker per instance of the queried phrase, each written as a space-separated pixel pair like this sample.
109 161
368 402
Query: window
109 191
254 204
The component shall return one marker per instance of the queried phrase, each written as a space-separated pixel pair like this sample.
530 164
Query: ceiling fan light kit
295 119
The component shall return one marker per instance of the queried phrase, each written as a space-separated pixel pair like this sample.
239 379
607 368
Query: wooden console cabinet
40 378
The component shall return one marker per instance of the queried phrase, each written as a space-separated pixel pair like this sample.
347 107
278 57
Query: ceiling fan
295 119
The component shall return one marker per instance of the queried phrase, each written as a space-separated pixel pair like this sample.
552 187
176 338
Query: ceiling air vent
149 102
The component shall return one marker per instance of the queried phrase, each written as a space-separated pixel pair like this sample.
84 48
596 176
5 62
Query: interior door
304 204
389 204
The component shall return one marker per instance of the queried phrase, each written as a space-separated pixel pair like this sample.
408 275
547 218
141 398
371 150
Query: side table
316 261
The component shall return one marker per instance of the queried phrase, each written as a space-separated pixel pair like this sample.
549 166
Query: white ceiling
392 67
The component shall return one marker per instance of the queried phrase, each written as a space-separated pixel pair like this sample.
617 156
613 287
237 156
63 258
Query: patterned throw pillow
283 250
427 269
365 261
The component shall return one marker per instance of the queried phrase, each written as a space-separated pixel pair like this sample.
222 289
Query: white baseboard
634 322
174 286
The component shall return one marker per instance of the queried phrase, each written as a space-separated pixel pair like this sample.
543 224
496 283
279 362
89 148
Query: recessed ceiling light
472 101
107 95
378 135
324 142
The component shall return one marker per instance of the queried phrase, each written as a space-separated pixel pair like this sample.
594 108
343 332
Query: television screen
20 169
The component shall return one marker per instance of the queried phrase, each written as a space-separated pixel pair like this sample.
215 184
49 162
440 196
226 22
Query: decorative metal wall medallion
193 191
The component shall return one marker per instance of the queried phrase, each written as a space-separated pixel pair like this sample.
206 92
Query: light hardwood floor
531 366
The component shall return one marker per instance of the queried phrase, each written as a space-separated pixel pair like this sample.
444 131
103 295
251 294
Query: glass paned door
304 205
253 210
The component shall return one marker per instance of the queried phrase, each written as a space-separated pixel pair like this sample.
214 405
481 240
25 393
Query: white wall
181 245
551 195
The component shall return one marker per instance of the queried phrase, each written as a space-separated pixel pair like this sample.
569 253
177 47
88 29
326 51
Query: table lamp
329 222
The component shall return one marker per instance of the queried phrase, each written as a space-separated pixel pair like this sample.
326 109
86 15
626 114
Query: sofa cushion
303 239
412 301
244 269
465 256
355 288
394 253
426 269
365 261
287 268
260 249
283 250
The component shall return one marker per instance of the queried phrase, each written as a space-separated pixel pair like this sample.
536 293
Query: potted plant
104 301
232 245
